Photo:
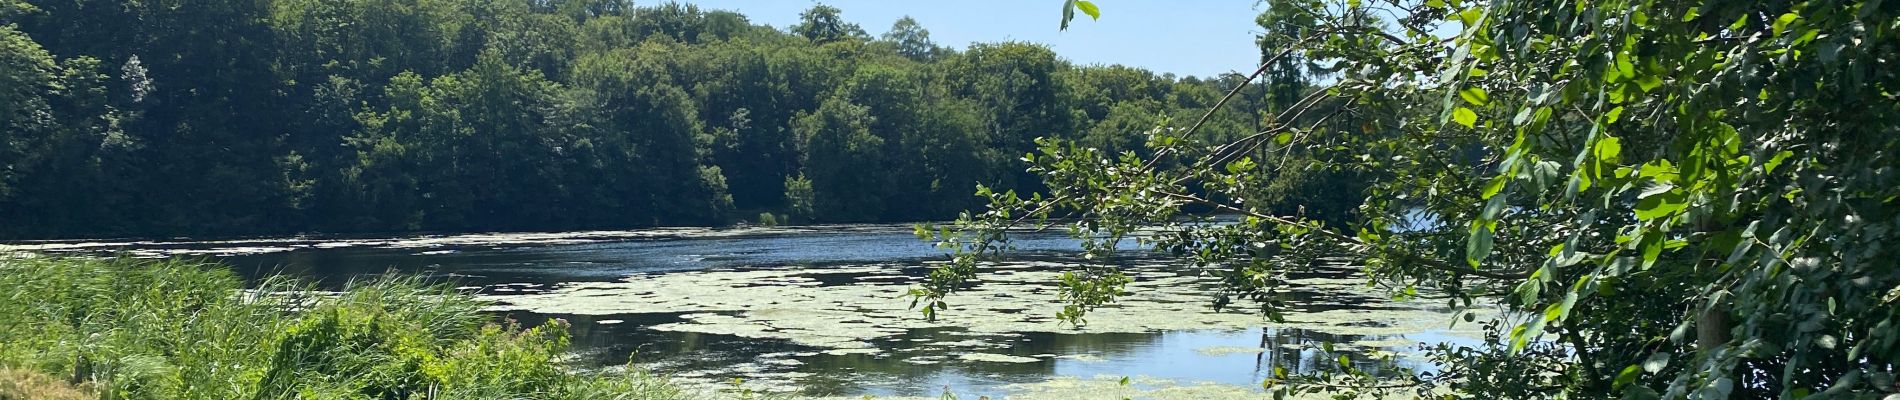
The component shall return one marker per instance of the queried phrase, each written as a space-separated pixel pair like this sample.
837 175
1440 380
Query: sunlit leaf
1088 7
1782 22
1464 116
1475 96
1660 201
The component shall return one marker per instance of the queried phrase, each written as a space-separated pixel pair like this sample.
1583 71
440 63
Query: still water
898 360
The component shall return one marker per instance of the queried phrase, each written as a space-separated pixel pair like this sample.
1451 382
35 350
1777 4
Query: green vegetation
1674 199
1671 199
123 329
234 117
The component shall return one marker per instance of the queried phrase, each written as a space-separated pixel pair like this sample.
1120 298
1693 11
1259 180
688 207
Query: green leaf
1652 249
1648 82
1523 117
1656 362
1660 201
1627 377
1244 164
1469 17
1475 96
1068 13
1522 335
1769 167
1479 244
1464 116
1660 170
1492 208
1528 291
1609 150
1782 22
1088 7
1495 185
1518 337
1560 311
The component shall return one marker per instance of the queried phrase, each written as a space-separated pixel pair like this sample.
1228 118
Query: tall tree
911 39
1023 94
653 136
842 160
27 77
825 24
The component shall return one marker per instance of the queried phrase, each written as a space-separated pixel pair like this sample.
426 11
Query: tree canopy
1674 199
280 116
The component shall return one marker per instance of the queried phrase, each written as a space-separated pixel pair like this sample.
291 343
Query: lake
819 311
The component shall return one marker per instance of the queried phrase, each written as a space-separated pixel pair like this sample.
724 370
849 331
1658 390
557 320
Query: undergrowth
174 329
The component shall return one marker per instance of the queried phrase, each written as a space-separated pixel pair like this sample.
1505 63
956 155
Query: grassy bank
140 329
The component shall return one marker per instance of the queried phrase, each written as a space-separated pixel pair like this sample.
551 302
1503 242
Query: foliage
799 196
284 116
912 40
823 24
185 330
1667 199
1069 7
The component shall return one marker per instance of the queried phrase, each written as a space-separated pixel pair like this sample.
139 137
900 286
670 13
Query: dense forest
175 117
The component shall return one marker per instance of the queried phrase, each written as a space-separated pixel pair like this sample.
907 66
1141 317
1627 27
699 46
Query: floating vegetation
1218 351
790 323
796 305
860 332
996 358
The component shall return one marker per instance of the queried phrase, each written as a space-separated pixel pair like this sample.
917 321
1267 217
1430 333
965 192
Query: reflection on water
919 362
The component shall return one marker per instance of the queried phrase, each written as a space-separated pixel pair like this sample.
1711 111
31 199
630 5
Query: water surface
709 332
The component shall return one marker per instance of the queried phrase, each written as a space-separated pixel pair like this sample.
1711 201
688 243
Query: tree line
176 117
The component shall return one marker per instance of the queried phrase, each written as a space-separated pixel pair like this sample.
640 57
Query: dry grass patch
18 384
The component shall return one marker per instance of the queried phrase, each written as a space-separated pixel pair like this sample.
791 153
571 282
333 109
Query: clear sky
1185 37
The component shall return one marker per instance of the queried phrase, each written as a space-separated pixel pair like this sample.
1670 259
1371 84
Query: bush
136 329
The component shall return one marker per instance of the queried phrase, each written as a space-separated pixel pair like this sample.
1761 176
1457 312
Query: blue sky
1184 37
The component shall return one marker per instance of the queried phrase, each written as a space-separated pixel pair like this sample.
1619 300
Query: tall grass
168 329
